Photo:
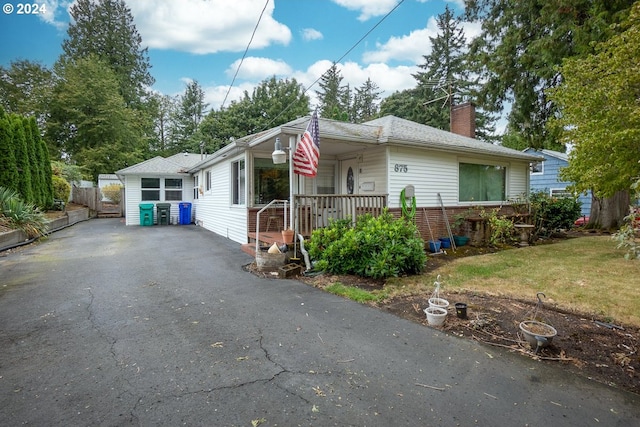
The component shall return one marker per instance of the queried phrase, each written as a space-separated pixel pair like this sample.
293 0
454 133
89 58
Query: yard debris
431 387
608 325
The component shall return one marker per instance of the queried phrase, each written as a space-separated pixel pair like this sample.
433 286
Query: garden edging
15 238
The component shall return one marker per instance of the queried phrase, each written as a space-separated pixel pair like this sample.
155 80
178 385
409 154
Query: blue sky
204 40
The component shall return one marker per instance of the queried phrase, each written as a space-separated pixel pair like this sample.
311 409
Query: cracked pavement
103 324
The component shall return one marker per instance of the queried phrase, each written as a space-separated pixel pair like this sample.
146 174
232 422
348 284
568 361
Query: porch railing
315 211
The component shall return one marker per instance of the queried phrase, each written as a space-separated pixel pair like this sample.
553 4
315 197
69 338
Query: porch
310 212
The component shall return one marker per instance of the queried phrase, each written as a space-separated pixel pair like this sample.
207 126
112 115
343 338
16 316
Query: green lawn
586 274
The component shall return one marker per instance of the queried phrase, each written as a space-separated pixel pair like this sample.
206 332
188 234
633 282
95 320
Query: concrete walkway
111 325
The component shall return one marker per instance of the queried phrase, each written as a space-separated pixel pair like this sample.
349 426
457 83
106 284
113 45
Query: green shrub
502 228
17 214
377 247
553 213
112 192
61 188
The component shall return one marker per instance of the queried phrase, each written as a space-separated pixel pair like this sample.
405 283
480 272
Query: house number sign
400 168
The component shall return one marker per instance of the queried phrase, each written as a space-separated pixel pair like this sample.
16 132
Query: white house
158 180
360 164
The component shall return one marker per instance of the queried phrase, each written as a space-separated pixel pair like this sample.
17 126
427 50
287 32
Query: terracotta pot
287 236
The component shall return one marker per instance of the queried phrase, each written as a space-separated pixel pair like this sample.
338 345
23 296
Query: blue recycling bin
146 214
185 213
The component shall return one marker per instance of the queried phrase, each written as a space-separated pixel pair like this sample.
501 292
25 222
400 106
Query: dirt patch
590 347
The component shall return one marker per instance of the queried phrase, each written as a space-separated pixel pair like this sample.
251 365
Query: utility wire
338 60
245 54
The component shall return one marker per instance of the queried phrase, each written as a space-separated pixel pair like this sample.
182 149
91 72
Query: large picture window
150 189
482 183
238 182
271 181
172 189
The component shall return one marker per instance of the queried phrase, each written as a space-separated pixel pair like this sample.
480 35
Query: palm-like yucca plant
17 214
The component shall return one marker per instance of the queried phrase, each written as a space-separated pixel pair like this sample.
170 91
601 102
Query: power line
339 59
245 54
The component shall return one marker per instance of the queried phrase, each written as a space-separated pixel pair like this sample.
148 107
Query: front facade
545 176
378 158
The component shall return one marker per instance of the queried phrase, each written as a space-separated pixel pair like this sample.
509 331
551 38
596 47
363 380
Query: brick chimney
463 119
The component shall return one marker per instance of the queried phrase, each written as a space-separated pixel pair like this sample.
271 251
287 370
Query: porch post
292 146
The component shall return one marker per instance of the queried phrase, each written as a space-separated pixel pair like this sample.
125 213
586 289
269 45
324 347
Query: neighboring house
361 166
545 176
105 179
158 180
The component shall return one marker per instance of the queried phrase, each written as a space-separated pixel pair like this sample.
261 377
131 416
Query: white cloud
201 27
415 45
311 34
53 8
259 68
368 8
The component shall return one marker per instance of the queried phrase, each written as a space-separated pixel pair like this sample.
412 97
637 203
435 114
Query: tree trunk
608 213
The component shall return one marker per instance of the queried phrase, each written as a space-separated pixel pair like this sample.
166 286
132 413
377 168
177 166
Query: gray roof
549 153
107 176
175 165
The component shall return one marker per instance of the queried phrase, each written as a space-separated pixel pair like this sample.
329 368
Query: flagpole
292 147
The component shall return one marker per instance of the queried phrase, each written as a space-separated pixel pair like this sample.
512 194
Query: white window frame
238 179
538 172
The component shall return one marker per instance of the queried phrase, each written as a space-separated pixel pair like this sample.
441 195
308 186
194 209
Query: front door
349 176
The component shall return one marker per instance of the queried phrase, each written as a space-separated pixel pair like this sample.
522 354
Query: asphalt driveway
109 325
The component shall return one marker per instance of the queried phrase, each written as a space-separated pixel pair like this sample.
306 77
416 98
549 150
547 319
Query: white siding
132 199
429 172
433 172
214 210
518 180
373 169
133 196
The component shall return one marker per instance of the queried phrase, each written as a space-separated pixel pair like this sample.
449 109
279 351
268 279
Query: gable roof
178 164
389 130
549 153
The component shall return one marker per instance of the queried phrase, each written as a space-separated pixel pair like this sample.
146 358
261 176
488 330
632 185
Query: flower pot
434 246
438 302
537 334
446 242
287 236
435 315
461 310
460 240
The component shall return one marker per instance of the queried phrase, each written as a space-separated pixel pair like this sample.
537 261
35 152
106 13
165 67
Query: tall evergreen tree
366 102
19 143
522 44
105 28
189 114
332 96
44 166
8 166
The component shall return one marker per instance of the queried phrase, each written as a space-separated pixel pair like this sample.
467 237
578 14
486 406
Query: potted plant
460 226
287 235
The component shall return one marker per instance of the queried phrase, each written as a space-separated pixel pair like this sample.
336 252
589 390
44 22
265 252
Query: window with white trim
481 183
536 168
173 189
150 189
237 182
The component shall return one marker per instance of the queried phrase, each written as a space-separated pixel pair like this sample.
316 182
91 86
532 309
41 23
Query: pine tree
333 97
189 115
366 102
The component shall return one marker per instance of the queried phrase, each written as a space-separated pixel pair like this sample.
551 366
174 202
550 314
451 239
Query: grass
586 275
356 294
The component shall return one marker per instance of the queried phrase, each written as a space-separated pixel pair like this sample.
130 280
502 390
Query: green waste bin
146 214
163 212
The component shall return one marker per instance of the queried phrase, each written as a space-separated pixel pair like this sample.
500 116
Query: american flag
307 154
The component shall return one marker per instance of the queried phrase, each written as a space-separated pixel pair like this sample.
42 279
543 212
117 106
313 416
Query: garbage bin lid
163 205
185 204
146 205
